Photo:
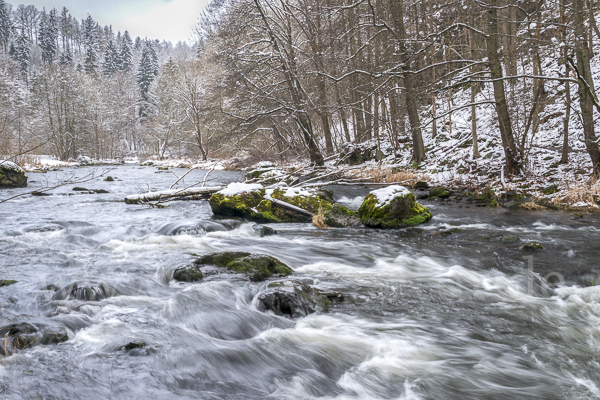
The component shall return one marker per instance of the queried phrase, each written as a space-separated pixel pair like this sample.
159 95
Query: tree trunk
513 166
586 85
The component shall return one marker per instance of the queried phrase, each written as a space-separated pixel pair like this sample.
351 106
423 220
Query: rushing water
426 316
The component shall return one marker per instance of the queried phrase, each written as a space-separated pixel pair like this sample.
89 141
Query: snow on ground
239 188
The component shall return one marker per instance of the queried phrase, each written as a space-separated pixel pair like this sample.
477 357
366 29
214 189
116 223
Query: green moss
401 212
339 216
533 245
440 192
259 267
221 259
550 189
7 282
240 205
309 203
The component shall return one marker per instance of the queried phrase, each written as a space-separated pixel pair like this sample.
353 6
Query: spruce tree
147 72
125 61
90 62
21 52
111 56
48 35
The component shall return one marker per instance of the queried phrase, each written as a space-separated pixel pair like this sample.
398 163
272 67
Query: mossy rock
221 259
255 207
487 196
550 189
532 246
339 216
263 231
133 345
7 282
399 212
448 232
259 267
256 266
296 299
190 273
12 176
510 239
440 192
109 179
421 185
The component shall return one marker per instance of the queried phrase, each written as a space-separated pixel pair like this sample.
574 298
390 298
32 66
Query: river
427 315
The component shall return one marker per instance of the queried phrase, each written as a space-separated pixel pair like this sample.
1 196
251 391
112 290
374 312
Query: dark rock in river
263 231
440 192
11 175
23 335
190 273
256 266
296 299
86 292
339 216
7 282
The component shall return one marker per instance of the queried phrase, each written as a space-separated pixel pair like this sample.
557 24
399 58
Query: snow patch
10 165
386 195
238 188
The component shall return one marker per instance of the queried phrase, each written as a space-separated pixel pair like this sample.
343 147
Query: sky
171 20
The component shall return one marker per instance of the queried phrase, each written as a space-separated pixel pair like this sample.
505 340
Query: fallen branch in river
171 194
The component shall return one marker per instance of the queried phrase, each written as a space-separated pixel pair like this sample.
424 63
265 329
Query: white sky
171 20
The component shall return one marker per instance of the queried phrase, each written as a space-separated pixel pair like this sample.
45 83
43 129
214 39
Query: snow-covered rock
11 175
392 207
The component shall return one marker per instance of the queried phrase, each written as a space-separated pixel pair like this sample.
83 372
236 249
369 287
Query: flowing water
427 315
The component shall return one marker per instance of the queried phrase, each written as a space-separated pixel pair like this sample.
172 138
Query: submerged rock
23 335
392 207
11 175
133 345
86 292
296 299
263 231
7 282
190 273
256 266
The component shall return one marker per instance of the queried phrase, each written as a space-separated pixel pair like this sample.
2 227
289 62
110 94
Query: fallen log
288 206
172 194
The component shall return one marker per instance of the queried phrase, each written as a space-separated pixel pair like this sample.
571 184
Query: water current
427 314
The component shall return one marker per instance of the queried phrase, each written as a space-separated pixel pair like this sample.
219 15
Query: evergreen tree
111 56
125 61
66 58
147 72
90 62
48 35
5 25
21 52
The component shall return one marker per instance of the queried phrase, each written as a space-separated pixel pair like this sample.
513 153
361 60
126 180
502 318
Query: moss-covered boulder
189 273
392 207
339 216
257 267
296 299
24 335
255 203
440 192
11 175
7 282
533 246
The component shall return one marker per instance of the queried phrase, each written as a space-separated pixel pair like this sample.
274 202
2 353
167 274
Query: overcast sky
171 20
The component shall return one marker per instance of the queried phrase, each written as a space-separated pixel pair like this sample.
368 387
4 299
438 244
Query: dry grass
387 175
532 206
319 219
579 192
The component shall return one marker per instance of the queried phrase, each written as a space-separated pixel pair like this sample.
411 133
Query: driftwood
201 192
289 207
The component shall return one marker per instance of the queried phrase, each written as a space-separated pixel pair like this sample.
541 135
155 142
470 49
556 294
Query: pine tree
125 61
111 56
90 63
5 25
147 72
66 58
